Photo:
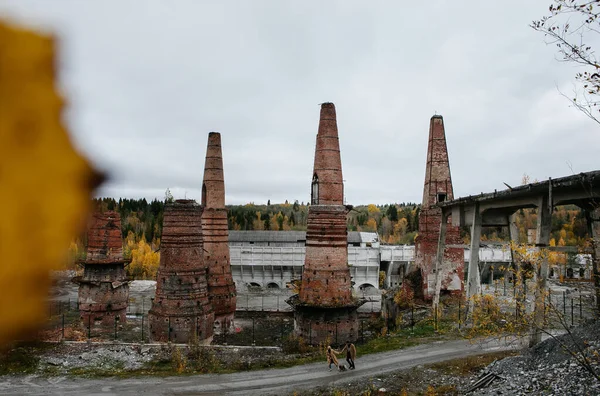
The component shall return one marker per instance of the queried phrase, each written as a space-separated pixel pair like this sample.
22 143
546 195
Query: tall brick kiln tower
438 188
221 289
325 308
103 288
181 311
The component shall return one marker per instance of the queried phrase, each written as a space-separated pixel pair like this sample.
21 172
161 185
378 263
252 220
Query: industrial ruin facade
325 309
181 311
437 189
221 289
103 288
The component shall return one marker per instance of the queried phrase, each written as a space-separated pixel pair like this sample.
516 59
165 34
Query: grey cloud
147 81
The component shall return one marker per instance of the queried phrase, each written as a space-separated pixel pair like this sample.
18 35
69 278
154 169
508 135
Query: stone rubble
548 368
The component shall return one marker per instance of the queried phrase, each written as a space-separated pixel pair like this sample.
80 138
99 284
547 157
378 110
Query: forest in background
141 223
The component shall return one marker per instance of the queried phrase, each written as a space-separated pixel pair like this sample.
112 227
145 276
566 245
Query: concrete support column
513 232
474 283
544 226
439 261
593 222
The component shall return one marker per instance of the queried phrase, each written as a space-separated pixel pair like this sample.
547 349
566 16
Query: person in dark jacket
350 350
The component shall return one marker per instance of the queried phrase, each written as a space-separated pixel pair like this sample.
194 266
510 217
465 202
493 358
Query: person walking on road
331 357
350 350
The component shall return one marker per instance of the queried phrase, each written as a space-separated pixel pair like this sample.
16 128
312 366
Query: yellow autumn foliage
372 208
44 183
144 258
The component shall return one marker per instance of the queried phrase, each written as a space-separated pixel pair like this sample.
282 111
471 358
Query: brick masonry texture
325 300
103 288
221 288
438 181
328 163
181 311
333 326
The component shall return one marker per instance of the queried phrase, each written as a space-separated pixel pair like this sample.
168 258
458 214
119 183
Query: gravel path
264 382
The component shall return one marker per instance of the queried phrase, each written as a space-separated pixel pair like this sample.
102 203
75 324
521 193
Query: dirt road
264 382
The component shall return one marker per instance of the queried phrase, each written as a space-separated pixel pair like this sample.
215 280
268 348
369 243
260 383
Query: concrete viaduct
498 209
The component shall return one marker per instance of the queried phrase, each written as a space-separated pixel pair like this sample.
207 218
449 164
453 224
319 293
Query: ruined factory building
103 288
221 289
325 307
437 188
181 311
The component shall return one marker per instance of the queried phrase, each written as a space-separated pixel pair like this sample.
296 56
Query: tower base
181 329
326 325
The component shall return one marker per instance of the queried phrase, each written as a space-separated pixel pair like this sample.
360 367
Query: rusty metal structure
103 287
325 309
221 288
181 311
437 189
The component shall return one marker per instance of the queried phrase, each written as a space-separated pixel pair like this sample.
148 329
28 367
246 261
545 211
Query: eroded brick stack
181 311
221 289
103 288
325 308
438 187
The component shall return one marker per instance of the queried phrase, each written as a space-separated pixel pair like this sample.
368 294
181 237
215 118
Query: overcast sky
147 80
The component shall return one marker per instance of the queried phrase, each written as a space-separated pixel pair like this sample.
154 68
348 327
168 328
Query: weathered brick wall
326 275
328 164
101 301
213 184
103 288
438 181
104 238
331 326
325 300
221 288
181 299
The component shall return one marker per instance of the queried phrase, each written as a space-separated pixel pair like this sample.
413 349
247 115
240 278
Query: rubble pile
547 369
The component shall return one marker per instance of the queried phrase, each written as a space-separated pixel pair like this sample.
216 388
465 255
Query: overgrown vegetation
19 360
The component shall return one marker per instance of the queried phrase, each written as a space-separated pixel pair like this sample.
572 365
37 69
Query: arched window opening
314 191
204 194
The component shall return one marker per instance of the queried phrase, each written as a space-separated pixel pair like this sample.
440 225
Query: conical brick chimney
327 184
326 275
221 289
324 309
437 188
438 182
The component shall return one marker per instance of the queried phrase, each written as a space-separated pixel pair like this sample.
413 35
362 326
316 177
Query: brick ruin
103 287
181 311
324 309
221 288
438 188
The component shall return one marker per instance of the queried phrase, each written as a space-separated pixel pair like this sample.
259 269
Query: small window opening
314 191
204 194
441 197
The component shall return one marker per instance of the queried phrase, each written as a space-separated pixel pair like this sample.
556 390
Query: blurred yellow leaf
44 184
